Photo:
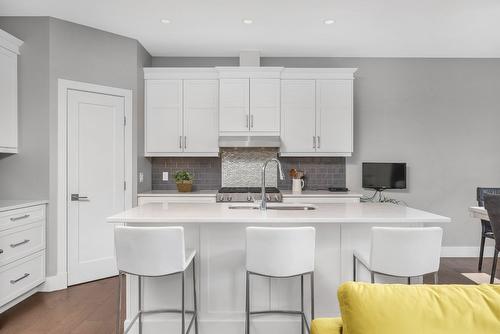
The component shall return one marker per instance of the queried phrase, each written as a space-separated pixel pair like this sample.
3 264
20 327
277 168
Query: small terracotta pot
185 186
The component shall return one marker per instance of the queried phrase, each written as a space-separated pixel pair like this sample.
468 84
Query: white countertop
286 193
171 193
321 193
378 213
6 205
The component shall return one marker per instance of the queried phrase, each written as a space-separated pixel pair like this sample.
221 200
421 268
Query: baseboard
54 283
465 252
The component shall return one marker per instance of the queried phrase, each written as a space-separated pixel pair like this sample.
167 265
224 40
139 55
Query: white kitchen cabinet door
163 117
201 116
234 105
334 123
265 105
8 101
298 116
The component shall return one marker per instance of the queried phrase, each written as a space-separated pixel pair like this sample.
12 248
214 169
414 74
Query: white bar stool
280 253
401 252
154 252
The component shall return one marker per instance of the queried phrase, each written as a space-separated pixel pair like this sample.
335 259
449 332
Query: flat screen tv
383 175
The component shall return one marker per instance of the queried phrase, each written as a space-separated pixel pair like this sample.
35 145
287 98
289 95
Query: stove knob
276 198
229 198
249 198
268 197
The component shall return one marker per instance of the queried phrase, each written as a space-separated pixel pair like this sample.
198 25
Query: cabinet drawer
21 276
18 217
21 241
172 199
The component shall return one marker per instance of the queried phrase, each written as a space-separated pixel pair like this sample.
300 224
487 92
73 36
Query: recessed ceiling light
165 21
329 21
247 21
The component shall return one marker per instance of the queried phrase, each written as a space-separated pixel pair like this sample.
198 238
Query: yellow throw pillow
419 309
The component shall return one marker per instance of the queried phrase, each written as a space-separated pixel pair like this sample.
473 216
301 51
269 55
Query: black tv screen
378 175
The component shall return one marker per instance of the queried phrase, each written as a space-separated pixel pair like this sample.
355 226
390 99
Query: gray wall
144 59
440 116
25 175
56 49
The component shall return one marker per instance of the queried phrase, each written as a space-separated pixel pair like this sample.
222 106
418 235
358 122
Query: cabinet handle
14 281
248 123
185 142
314 141
319 142
251 121
180 142
1 251
13 219
25 241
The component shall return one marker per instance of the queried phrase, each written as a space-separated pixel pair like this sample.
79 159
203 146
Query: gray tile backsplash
207 172
242 167
320 172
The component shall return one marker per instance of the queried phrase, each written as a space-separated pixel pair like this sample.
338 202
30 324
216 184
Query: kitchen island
217 232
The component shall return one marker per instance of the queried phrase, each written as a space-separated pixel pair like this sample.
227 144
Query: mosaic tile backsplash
242 167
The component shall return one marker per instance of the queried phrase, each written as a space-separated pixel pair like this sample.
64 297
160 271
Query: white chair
280 253
154 252
401 252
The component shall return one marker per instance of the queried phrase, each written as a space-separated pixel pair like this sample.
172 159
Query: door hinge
124 120
124 185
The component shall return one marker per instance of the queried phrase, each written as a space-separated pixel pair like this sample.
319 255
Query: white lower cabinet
22 253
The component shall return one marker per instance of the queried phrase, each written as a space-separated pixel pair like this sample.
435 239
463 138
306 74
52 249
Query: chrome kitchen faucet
263 203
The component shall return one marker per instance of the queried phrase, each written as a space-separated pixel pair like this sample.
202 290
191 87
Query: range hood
249 141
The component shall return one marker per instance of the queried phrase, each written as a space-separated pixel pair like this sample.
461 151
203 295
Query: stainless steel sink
275 207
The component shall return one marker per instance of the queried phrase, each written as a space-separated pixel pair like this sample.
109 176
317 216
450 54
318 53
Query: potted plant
184 181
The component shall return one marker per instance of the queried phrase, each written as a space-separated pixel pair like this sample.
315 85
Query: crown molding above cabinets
187 109
9 50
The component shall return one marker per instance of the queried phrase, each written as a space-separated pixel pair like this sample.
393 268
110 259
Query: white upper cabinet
265 105
201 106
334 117
298 121
163 117
181 117
249 101
317 112
9 50
234 105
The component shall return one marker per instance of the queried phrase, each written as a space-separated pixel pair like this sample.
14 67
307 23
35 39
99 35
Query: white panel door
201 130
234 105
8 101
265 105
163 116
96 174
298 105
334 116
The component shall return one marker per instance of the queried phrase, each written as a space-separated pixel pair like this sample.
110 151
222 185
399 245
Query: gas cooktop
247 194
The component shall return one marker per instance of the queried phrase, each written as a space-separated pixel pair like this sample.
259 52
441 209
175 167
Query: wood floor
90 308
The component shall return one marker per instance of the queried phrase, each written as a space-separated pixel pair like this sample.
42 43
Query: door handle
248 122
251 121
180 142
314 141
77 197
185 142
319 142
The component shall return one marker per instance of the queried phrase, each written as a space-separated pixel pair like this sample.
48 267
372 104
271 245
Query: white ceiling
363 28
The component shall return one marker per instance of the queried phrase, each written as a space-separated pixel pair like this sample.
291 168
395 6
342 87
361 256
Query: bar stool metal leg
354 268
372 275
183 310
247 304
119 304
195 299
409 280
436 277
302 302
494 267
140 303
312 296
